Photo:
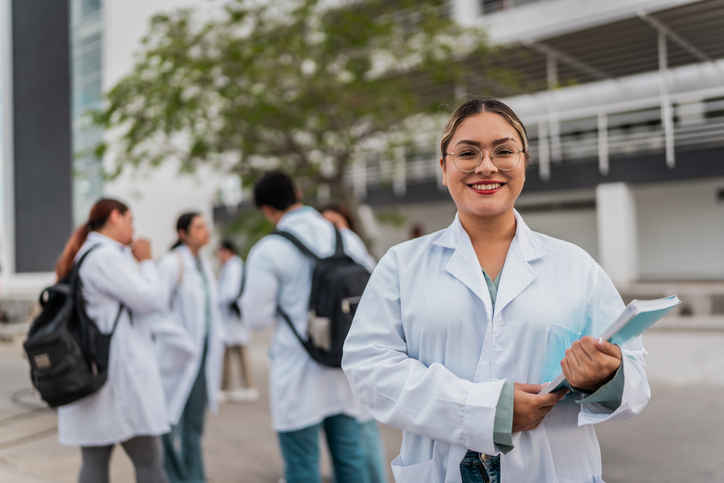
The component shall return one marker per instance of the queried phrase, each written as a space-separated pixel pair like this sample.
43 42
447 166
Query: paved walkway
679 437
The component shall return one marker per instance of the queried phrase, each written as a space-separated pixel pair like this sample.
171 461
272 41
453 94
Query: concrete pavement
679 437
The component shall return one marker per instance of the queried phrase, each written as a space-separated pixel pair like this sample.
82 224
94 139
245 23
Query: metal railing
588 135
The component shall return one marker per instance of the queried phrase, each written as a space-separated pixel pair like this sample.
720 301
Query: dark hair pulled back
98 217
183 223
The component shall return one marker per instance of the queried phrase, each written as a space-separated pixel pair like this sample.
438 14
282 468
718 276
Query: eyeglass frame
492 158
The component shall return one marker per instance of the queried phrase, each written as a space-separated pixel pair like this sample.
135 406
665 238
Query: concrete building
35 142
623 101
626 121
57 57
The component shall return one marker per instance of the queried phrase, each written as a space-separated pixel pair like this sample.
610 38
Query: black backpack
337 286
68 355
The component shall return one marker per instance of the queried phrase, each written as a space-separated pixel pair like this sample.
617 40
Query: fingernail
600 341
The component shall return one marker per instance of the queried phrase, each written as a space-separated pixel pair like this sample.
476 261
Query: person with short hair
457 331
121 288
191 384
305 396
238 334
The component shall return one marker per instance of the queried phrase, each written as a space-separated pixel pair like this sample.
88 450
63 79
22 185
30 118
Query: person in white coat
191 383
120 284
238 334
458 330
305 396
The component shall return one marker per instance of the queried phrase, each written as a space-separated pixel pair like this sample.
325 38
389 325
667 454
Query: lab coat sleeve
401 391
138 288
603 306
261 292
230 282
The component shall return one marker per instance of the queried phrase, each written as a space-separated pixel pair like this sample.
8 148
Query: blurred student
372 442
129 409
238 335
339 215
190 299
305 396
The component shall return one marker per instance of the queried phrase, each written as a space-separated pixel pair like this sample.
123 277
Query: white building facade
627 134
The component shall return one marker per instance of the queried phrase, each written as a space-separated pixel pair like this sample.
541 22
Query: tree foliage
302 86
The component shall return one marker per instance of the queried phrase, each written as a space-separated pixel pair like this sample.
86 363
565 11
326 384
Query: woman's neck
489 230
193 249
110 234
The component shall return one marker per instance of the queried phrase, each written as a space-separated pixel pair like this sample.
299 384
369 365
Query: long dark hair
182 224
97 219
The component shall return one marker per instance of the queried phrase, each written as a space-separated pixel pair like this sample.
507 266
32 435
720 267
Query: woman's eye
506 151
467 154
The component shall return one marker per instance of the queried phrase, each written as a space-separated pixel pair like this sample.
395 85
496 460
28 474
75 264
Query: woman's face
486 192
197 234
124 226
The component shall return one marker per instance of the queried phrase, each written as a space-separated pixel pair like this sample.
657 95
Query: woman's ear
442 165
115 217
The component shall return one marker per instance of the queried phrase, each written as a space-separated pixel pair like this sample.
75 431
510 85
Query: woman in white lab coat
129 408
238 333
191 383
457 331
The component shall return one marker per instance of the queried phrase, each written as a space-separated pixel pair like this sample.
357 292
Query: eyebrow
478 144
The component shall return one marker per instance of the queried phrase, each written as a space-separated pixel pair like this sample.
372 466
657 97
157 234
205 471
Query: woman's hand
588 364
141 249
529 408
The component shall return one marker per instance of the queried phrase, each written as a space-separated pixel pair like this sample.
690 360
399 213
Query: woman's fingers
590 363
529 408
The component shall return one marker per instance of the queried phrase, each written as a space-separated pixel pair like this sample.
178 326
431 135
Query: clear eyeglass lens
468 158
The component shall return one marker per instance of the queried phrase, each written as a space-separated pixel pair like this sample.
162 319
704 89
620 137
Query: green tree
299 86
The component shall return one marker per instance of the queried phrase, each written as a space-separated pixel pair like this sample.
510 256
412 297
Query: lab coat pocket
418 473
559 339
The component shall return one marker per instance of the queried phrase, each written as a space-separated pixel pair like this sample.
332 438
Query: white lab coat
131 402
237 332
427 355
301 391
185 305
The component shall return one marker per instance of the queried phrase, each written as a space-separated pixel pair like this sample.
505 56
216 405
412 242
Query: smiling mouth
486 186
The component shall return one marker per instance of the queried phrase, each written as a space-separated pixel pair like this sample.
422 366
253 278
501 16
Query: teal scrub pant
182 446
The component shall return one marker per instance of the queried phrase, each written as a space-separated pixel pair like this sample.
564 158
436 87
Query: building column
617 237
465 12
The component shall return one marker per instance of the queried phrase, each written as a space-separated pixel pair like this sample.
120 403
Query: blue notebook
635 319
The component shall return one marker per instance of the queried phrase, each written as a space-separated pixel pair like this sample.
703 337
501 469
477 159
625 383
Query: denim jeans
300 450
477 469
374 452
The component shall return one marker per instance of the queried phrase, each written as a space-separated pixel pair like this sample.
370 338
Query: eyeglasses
467 158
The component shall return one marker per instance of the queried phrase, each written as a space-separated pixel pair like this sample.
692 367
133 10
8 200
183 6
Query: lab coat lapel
517 271
464 264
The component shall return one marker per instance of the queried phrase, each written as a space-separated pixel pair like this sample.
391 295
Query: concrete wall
575 226
681 230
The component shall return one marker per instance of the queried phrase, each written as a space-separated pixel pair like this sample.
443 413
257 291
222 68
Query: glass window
88 7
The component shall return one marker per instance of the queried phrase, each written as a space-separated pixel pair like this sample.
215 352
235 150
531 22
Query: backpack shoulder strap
243 280
76 266
295 241
121 307
338 242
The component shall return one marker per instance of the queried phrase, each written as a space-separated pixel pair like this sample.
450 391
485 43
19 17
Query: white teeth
486 187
